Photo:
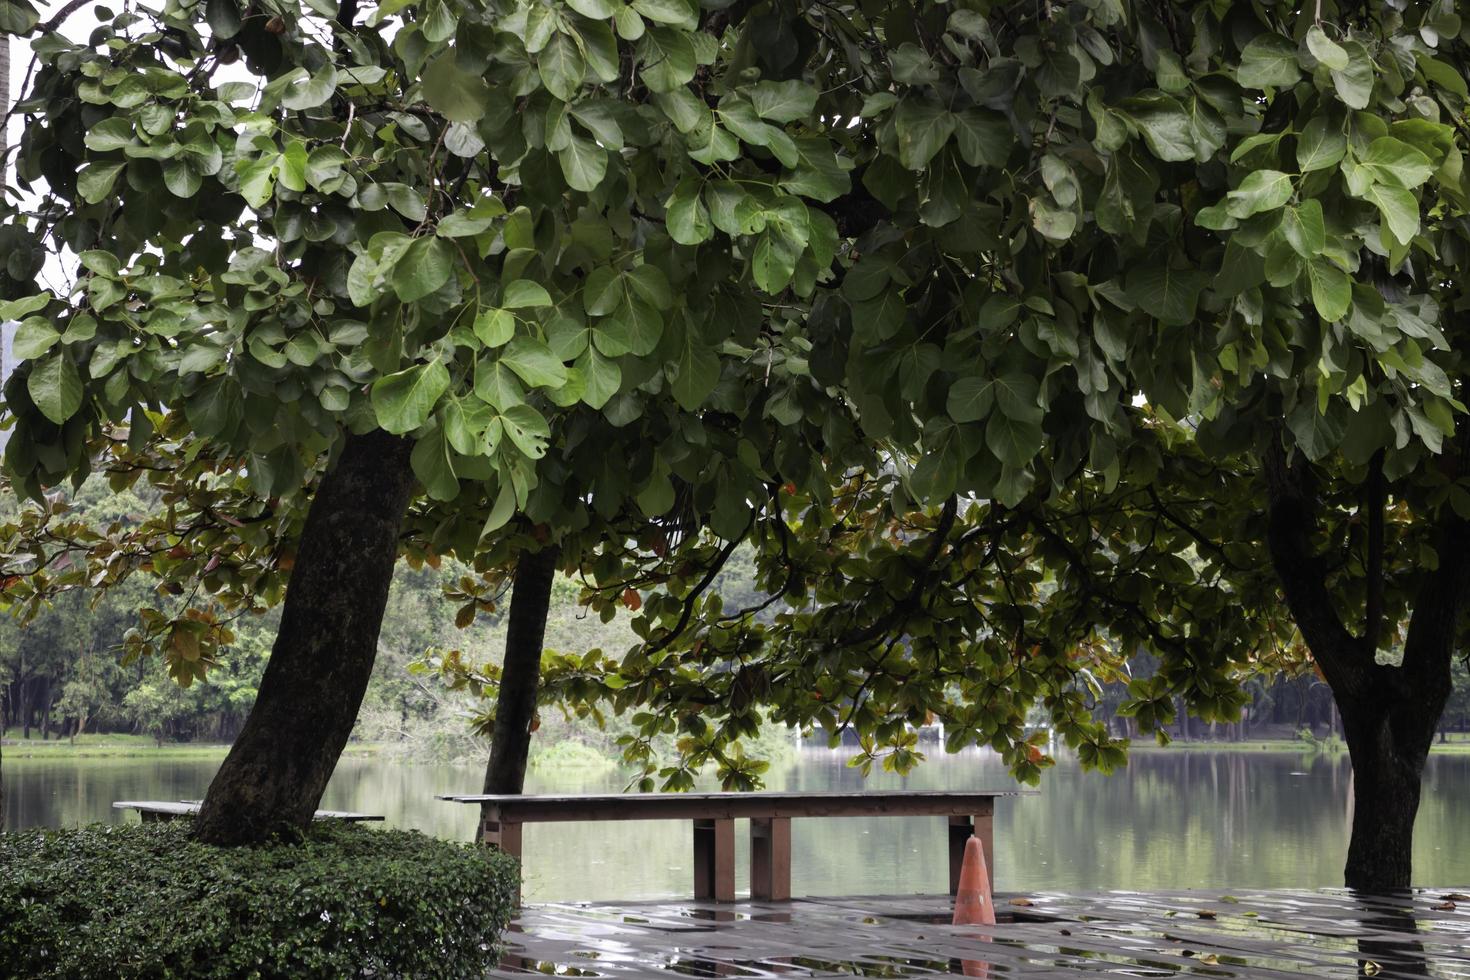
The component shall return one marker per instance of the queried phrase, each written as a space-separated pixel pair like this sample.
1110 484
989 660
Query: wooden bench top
188 808
724 806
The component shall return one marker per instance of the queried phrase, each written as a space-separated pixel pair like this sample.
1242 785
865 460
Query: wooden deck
1247 935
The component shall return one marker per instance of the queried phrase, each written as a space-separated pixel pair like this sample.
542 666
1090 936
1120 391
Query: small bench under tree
151 810
770 815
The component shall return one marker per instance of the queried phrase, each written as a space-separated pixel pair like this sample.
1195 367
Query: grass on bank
118 745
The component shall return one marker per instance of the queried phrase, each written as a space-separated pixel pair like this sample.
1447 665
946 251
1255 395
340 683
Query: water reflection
1170 820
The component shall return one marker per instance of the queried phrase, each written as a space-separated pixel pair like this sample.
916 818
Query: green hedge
148 901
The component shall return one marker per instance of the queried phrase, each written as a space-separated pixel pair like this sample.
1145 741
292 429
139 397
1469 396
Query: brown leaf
1206 913
1024 903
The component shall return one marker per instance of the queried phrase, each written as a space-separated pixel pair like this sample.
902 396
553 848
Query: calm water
1182 819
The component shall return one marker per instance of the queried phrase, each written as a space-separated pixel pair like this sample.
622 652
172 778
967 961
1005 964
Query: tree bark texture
273 778
1389 713
520 676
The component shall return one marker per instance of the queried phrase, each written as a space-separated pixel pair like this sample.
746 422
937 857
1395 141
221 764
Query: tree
1192 345
438 301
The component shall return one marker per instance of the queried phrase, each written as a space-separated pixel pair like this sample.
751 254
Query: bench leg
960 829
770 858
714 860
506 836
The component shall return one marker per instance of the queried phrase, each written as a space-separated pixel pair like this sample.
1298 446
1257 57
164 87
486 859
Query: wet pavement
1249 934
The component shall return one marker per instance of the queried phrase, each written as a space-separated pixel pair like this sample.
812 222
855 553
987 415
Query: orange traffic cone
973 904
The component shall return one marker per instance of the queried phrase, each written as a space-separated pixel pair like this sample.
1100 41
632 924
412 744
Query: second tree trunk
520 676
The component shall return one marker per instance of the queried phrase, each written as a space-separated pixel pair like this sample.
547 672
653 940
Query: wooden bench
770 815
151 810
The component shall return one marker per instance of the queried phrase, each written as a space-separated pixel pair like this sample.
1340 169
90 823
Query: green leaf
1304 228
501 510
667 57
430 463
970 399
223 17
55 387
464 421
561 66
1316 434
1170 294
455 94
666 12
773 262
292 175
34 337
257 178
1354 84
1399 209
923 128
1262 190
601 377
1396 163
1441 74
984 138
1321 145
112 133
1013 441
595 9
1268 61
697 371
522 294
629 24
404 401
1332 290
527 428
308 93
95 181
424 266
687 219
534 363
495 327
790 101
497 385
1166 127
1325 50
583 164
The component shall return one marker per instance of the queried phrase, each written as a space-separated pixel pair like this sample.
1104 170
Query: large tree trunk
515 707
318 671
1389 713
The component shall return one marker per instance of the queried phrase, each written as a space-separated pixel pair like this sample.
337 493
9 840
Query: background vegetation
64 674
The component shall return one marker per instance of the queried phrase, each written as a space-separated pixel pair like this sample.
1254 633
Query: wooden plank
770 859
735 806
714 860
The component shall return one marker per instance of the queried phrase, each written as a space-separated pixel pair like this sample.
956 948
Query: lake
1182 818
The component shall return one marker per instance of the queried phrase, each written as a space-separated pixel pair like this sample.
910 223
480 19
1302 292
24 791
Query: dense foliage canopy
1017 337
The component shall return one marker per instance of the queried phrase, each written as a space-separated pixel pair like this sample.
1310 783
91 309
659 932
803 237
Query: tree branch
1291 519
